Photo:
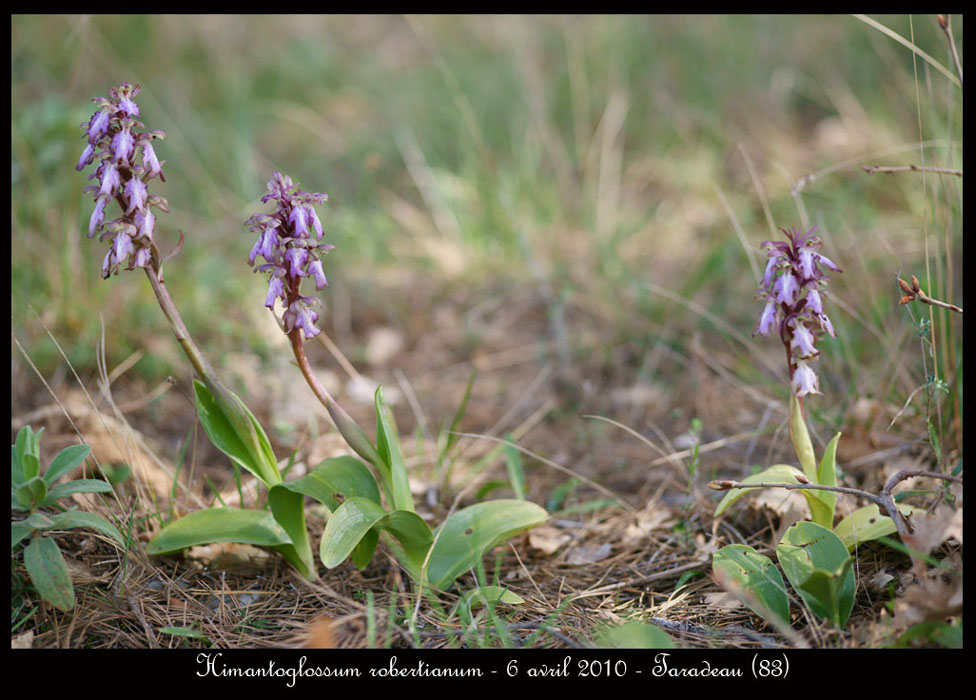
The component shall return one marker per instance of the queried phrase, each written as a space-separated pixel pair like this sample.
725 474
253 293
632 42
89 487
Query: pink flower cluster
285 242
127 162
793 287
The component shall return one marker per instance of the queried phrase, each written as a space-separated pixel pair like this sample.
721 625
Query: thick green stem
354 436
193 353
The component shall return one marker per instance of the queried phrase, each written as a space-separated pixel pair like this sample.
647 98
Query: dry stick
914 292
946 24
885 500
643 579
911 167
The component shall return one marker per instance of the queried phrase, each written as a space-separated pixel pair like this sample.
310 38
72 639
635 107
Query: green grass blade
516 473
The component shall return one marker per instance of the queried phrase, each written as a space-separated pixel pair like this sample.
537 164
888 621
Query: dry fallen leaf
935 597
23 641
547 539
932 530
653 516
723 600
587 554
228 555
319 634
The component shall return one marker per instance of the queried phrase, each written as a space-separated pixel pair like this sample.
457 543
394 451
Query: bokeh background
587 194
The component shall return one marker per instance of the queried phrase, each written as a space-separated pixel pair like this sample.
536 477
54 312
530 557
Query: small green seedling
31 492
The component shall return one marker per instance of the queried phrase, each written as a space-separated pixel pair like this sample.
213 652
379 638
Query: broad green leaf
27 453
39 521
18 531
827 476
66 461
16 468
78 518
516 474
331 483
866 524
336 479
33 491
357 516
816 562
362 553
634 634
234 430
469 533
394 475
49 573
757 576
778 474
489 594
257 527
288 508
801 440
78 486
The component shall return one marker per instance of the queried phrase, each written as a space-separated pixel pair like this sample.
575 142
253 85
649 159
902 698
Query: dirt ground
567 390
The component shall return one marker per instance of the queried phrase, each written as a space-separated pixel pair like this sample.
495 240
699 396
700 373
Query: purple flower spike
792 287
114 140
285 242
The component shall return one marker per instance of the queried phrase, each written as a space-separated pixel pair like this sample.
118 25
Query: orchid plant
814 554
362 508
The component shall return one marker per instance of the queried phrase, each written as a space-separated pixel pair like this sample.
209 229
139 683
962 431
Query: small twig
913 292
883 500
946 24
910 168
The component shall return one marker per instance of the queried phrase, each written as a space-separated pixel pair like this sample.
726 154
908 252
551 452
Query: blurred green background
631 163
